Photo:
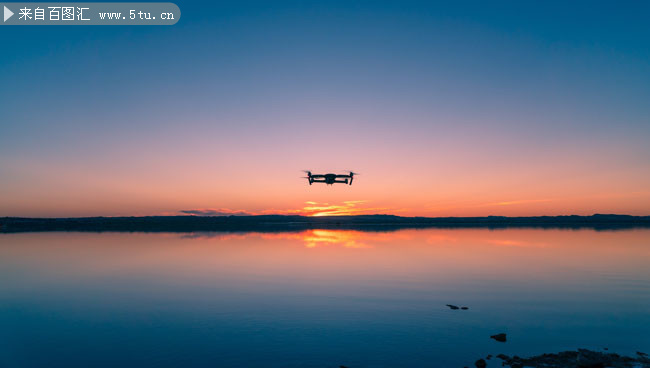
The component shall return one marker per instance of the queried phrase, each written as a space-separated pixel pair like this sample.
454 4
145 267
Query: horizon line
316 217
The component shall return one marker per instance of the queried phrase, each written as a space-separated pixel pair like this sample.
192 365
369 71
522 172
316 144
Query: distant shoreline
282 223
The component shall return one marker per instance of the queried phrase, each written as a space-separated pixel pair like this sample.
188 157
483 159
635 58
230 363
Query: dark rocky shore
582 358
272 223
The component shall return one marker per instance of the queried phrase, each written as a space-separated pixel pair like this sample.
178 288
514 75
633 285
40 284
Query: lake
319 298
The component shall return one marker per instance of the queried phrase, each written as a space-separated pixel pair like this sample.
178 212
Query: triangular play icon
8 13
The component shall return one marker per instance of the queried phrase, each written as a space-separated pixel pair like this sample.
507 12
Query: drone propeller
352 174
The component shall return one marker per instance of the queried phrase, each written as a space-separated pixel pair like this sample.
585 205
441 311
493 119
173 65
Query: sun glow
347 208
311 208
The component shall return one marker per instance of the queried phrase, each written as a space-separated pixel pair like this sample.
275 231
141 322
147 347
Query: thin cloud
516 202
355 202
311 208
347 208
215 212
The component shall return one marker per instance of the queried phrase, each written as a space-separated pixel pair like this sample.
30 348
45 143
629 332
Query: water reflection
319 238
310 238
319 297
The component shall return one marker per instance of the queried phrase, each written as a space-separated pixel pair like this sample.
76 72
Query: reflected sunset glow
317 238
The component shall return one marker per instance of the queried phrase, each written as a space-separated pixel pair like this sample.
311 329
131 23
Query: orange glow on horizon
348 208
312 209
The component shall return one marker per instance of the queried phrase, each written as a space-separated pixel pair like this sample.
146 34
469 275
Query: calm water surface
318 298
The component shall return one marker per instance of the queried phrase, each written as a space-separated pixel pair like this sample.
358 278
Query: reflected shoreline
281 223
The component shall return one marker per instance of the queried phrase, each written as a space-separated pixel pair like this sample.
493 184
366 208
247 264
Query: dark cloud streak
215 212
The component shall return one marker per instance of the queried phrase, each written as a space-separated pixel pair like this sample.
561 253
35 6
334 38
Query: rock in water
451 306
501 337
480 363
464 308
590 359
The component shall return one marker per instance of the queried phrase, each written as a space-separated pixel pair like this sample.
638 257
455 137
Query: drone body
330 179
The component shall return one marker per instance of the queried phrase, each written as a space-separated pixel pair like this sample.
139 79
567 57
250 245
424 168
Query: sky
464 109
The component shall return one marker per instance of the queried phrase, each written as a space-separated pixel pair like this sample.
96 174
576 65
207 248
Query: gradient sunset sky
463 109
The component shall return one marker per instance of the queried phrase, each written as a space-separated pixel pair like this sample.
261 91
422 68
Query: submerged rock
480 363
500 337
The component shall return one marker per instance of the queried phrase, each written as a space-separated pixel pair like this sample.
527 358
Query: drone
330 179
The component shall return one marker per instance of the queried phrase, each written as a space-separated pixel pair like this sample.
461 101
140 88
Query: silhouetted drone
330 179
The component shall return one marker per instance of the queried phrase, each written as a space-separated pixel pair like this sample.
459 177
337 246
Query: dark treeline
271 223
